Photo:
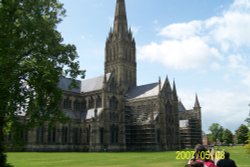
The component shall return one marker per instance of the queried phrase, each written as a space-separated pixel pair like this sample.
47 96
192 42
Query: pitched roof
87 85
181 107
64 84
143 91
93 84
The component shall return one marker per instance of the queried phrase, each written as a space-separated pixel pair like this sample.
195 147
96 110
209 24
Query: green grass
155 159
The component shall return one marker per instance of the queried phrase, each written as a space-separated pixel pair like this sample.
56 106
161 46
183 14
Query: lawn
155 159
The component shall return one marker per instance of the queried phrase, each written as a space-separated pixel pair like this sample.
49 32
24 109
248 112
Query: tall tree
32 59
216 132
242 134
227 136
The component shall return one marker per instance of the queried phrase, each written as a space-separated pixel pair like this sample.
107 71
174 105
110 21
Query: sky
203 45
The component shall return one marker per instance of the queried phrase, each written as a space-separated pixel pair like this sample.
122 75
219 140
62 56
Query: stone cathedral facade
112 113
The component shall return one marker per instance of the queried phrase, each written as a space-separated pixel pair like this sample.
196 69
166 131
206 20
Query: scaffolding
191 135
140 130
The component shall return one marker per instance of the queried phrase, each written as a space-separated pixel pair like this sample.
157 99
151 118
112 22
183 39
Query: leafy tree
242 134
227 136
210 138
216 132
32 59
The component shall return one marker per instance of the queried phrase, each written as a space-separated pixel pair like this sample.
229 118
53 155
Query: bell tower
120 50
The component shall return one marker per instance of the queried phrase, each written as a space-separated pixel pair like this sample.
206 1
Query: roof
87 85
181 107
93 84
143 91
64 84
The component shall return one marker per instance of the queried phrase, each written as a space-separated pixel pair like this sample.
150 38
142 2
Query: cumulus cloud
202 43
188 53
241 5
238 65
232 30
237 62
217 43
181 30
226 108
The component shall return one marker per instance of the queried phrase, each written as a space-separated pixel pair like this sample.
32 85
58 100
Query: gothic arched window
64 135
91 103
76 136
113 103
77 106
101 135
67 103
40 134
98 102
168 107
51 135
88 134
114 134
83 106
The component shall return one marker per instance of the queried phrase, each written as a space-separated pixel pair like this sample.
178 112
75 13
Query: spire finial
175 91
197 103
120 22
159 83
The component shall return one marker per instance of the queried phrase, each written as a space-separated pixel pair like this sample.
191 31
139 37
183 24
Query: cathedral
112 113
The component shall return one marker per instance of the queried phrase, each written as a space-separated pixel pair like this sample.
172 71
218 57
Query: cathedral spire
120 50
175 91
197 103
120 22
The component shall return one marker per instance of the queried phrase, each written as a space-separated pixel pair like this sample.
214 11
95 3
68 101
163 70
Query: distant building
205 140
190 125
112 113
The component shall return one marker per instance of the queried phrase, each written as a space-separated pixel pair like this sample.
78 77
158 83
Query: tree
32 59
227 136
216 132
242 134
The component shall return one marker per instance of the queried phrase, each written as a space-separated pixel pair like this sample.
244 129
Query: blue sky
203 44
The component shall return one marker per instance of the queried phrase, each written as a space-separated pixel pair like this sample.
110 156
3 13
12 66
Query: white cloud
242 5
236 62
201 43
228 108
238 65
217 43
232 30
187 53
181 30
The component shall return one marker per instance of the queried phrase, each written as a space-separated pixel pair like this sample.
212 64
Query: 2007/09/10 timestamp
202 155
